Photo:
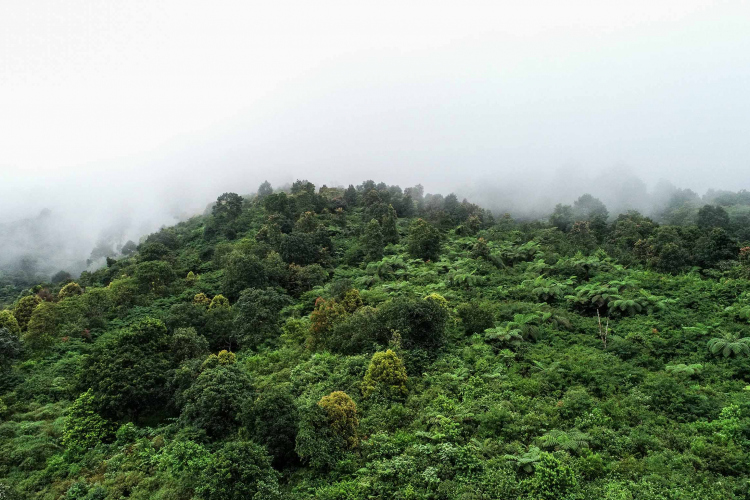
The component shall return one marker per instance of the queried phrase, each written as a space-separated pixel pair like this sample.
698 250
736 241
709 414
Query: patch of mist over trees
51 248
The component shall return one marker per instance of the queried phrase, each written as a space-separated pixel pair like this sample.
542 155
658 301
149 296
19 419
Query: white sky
146 106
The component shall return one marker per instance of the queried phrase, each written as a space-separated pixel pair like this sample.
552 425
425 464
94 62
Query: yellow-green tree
70 290
24 308
385 374
219 302
342 416
201 299
9 322
42 328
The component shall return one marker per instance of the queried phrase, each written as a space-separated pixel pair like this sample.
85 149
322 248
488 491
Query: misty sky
146 110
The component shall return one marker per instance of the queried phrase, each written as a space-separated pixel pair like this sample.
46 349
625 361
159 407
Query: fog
120 117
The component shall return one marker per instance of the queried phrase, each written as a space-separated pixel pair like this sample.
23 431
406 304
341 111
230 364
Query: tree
421 322
588 208
70 290
730 344
714 247
257 316
389 229
9 322
128 248
562 217
24 308
128 372
475 317
323 318
423 240
219 302
373 241
61 277
154 277
215 400
187 344
243 271
711 216
42 329
350 197
84 428
385 374
264 190
273 420
239 470
342 416
10 347
227 208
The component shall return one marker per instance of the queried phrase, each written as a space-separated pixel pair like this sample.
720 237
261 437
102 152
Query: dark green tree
256 317
128 372
264 190
24 308
227 208
423 240
711 216
350 197
243 271
215 400
388 224
239 470
588 208
373 241
273 421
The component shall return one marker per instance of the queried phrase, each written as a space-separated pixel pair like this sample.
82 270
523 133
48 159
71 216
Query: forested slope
374 342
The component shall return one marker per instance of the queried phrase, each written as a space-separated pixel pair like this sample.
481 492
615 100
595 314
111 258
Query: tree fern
730 344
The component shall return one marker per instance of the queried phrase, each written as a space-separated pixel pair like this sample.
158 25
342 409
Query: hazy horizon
134 115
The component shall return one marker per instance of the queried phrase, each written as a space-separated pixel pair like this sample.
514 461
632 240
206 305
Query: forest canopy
371 341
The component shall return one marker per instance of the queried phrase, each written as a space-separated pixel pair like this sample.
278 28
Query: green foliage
215 400
553 479
511 392
41 332
154 277
475 317
342 417
128 372
24 308
423 241
70 290
10 347
84 428
188 344
274 422
730 344
8 322
256 317
385 374
239 470
373 241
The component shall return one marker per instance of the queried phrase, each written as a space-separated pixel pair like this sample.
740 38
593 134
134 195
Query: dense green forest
379 343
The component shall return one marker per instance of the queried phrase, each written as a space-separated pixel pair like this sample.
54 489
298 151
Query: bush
239 470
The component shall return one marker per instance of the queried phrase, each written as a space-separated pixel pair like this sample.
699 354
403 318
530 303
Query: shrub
239 470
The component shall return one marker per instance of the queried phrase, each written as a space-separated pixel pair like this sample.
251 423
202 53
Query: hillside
374 342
